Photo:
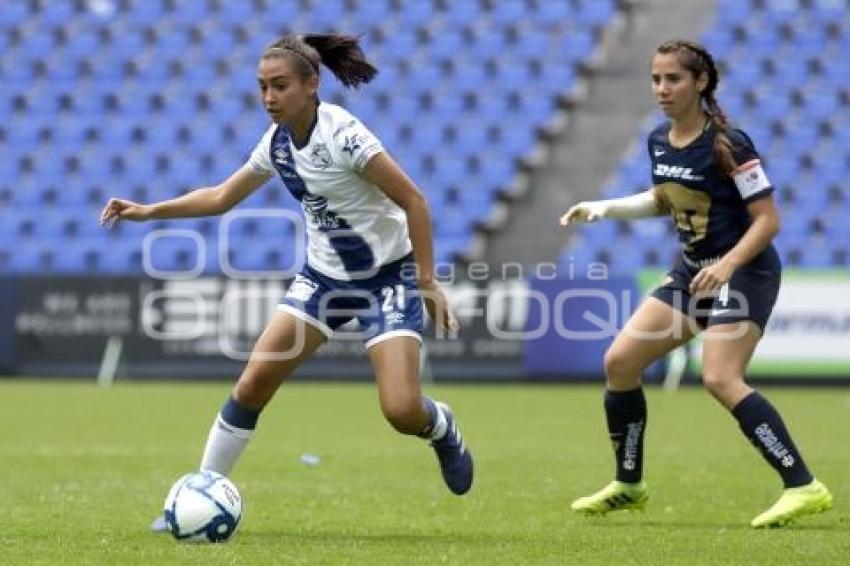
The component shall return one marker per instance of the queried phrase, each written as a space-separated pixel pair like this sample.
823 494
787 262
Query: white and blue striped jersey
353 228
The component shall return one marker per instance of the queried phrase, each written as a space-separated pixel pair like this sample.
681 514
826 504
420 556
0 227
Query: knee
620 370
406 415
721 384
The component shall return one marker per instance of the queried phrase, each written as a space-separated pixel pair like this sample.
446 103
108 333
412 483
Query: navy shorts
749 295
385 305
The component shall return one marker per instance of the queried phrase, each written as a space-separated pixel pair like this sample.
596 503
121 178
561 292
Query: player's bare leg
285 344
396 363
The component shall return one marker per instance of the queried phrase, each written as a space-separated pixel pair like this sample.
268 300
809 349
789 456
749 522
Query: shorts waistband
700 263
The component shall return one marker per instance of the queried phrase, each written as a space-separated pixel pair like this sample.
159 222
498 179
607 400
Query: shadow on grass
605 522
415 538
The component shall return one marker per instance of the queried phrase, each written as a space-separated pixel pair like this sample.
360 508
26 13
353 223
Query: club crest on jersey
676 172
352 144
320 156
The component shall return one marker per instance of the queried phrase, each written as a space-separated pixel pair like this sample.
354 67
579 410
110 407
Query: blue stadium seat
818 254
371 13
732 12
820 106
551 14
451 221
76 257
508 12
620 264
13 15
400 45
447 246
260 255
82 42
488 43
122 257
578 45
576 259
596 12
416 14
462 13
125 40
173 254
446 44
235 12
187 13
764 40
30 257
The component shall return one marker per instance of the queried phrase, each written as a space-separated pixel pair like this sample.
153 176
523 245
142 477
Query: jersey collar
309 131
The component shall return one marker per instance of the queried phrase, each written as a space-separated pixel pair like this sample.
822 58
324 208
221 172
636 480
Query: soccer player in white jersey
369 257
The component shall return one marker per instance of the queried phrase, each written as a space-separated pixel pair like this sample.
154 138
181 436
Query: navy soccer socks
436 427
761 423
456 463
625 412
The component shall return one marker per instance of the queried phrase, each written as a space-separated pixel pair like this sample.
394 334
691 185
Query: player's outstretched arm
384 172
206 201
641 205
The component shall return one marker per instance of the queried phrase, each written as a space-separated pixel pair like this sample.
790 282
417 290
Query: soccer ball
203 507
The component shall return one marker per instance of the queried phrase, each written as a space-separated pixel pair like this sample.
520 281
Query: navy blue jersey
708 206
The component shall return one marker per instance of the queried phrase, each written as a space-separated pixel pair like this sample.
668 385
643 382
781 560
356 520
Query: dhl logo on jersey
676 172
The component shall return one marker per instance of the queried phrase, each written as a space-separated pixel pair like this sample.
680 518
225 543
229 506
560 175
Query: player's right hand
583 212
439 308
119 209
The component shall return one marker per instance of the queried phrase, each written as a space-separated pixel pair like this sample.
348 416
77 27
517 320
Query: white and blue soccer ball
203 507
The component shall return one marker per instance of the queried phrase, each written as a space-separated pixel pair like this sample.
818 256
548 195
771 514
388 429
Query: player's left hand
712 277
439 308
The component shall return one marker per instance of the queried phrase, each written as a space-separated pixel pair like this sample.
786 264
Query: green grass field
83 470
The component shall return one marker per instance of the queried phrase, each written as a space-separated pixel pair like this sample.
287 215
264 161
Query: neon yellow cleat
613 497
794 503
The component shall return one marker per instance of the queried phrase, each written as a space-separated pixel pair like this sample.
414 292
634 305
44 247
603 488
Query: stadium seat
13 15
508 12
260 255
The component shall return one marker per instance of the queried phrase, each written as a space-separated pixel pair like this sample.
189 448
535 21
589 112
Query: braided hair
696 59
341 54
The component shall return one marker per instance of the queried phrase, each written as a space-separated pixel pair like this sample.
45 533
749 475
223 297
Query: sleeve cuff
759 195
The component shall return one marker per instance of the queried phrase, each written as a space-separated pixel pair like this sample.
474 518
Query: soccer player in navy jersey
369 252
708 176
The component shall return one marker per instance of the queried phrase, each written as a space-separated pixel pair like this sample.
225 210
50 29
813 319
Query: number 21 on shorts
389 293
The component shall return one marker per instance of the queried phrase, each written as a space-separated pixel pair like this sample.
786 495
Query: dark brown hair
696 59
339 53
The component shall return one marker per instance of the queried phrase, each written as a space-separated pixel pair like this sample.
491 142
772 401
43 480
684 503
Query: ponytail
722 143
697 59
341 54
344 57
